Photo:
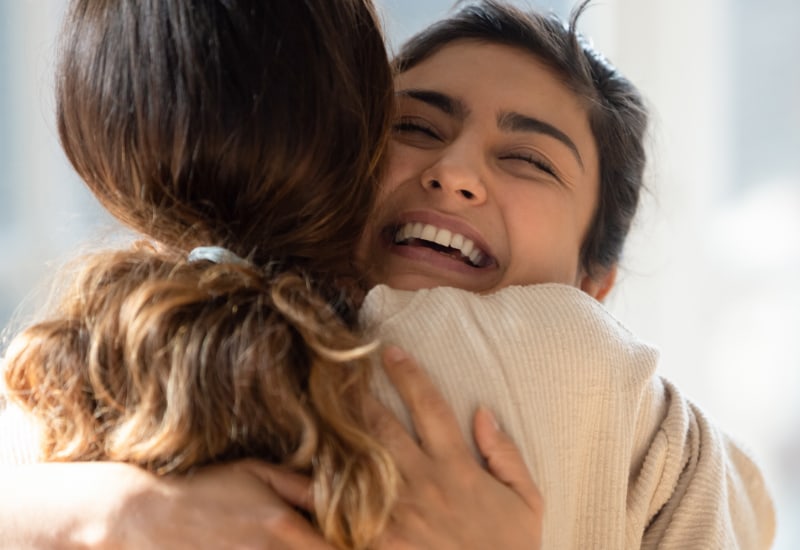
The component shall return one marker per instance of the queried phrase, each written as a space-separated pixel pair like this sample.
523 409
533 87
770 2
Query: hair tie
217 255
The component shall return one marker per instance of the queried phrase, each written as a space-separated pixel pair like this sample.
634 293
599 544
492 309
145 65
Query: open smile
441 240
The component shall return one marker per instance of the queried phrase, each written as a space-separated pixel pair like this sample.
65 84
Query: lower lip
435 259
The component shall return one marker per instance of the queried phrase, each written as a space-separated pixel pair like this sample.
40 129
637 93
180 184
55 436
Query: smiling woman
510 170
513 134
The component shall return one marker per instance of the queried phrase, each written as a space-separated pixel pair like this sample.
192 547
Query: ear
600 285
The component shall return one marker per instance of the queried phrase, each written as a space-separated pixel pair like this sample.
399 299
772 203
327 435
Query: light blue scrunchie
217 255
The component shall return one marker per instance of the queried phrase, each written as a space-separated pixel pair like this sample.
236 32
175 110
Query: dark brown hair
251 124
616 110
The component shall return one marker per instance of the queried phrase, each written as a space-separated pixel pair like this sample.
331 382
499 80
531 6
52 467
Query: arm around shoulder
64 505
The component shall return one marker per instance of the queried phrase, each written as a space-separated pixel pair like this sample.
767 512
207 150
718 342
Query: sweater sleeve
562 377
621 458
696 488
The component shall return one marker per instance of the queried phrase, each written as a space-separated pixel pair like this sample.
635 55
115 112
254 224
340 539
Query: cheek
403 167
395 174
544 234
394 166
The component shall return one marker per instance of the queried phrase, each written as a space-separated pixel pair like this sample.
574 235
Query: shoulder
559 320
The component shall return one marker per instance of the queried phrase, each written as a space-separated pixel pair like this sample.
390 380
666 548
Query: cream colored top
19 441
622 459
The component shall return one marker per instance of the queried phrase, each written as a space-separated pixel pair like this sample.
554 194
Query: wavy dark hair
259 126
617 112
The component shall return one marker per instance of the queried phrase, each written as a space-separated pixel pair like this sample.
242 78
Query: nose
457 176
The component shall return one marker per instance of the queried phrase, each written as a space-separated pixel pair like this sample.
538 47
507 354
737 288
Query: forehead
495 73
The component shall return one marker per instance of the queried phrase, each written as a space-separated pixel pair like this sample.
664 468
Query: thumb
503 458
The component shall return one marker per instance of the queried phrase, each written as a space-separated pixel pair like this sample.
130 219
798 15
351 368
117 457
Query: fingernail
393 354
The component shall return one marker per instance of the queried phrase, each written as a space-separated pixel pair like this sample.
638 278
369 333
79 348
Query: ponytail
169 365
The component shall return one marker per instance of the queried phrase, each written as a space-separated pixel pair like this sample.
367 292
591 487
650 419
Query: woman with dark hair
516 162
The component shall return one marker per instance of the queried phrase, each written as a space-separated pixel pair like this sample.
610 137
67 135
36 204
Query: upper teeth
443 237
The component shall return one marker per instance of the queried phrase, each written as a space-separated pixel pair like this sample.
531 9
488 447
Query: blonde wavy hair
251 124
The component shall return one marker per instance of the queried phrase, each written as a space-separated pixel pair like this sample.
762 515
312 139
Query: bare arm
241 505
109 505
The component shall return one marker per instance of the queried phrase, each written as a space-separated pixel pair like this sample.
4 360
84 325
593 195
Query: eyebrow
516 122
506 121
448 105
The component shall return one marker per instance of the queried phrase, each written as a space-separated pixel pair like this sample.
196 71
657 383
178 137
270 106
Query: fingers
503 458
291 487
393 435
286 528
433 418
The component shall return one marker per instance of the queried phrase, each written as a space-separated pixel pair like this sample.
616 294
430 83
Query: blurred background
711 275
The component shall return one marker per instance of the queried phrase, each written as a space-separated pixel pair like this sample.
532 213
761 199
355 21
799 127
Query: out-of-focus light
760 230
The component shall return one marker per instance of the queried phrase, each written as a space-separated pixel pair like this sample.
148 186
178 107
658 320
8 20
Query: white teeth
441 237
428 233
467 247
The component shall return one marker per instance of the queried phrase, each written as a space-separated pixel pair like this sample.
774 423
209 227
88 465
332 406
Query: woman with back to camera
243 141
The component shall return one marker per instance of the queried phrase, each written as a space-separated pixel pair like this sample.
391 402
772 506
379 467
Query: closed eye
415 126
537 162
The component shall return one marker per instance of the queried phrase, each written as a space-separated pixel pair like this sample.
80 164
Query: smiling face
492 178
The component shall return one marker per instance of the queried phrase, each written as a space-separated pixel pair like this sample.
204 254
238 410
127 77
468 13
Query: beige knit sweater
622 459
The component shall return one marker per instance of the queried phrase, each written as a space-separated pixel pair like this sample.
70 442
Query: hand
112 505
446 499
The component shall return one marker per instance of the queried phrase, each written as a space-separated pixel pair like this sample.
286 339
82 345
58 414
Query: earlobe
600 285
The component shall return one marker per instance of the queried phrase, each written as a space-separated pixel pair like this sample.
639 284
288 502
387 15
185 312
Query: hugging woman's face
492 177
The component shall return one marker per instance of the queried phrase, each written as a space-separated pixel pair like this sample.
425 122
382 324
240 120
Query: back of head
616 110
255 124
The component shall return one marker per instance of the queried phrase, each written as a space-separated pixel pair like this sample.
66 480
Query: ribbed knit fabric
622 459
19 443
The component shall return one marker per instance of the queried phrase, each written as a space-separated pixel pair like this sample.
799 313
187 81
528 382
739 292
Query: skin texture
513 168
113 505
